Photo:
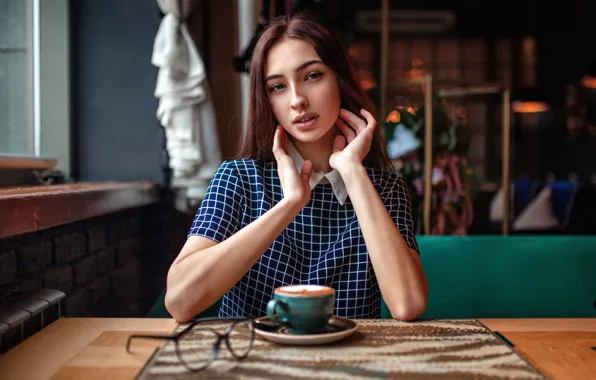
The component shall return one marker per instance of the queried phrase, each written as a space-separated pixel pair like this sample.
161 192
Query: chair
563 199
522 193
524 190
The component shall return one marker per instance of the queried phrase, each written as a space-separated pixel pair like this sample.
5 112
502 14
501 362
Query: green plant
454 181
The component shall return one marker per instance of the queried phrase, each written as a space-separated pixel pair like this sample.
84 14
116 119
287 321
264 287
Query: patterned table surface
432 349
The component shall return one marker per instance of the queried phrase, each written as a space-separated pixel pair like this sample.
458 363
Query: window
454 61
34 80
15 77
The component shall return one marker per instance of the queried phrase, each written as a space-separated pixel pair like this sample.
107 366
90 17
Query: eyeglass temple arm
161 337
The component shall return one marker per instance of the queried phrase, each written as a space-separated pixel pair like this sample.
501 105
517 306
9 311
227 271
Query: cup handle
273 311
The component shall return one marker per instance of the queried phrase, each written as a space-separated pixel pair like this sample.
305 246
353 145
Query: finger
283 142
306 171
346 130
339 143
280 143
371 122
276 142
354 121
276 139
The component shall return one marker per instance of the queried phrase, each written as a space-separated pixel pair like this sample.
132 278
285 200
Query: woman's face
303 92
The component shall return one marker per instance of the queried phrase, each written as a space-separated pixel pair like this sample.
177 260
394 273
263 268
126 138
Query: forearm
398 270
201 278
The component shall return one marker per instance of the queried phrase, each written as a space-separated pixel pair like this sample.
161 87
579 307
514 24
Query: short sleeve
397 201
219 215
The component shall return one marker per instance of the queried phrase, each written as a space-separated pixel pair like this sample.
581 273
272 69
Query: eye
313 75
276 87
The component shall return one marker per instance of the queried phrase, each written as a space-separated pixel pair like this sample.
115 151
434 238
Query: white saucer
338 328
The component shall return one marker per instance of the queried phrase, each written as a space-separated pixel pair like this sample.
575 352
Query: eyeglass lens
199 346
240 338
196 348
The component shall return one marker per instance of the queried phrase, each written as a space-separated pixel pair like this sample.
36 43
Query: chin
307 137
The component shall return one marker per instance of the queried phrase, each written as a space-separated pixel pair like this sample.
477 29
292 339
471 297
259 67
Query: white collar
333 177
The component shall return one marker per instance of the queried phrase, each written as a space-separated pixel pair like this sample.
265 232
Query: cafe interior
488 113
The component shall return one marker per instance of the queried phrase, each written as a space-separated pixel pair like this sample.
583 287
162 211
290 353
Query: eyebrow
301 67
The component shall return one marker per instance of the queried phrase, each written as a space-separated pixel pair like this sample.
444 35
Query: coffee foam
305 290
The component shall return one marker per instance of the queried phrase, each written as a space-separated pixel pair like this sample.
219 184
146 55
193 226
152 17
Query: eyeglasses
197 345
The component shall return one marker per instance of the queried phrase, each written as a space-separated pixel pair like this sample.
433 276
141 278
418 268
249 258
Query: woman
309 202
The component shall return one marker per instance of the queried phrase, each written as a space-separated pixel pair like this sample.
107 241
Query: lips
306 123
304 118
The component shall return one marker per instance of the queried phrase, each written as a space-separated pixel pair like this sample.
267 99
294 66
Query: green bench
509 276
500 277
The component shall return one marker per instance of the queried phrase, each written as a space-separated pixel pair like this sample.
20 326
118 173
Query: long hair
261 121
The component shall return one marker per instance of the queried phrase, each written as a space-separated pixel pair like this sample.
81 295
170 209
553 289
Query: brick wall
111 266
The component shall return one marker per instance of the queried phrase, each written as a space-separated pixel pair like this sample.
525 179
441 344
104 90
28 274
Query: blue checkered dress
323 245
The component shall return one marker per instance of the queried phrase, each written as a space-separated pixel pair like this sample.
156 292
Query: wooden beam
384 56
428 151
460 92
271 10
506 180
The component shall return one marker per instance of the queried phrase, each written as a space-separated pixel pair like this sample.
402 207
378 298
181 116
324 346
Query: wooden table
93 348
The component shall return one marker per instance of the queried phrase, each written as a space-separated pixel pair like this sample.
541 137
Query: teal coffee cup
304 309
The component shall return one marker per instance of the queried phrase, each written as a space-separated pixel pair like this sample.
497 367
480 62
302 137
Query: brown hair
261 121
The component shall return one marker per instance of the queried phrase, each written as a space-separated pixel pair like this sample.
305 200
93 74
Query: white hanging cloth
185 107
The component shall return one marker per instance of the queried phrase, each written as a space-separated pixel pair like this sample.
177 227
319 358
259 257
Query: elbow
179 302
177 308
407 312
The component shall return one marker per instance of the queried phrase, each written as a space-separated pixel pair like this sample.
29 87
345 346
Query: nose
299 101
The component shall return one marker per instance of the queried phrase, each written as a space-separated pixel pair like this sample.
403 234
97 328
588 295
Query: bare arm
397 267
204 270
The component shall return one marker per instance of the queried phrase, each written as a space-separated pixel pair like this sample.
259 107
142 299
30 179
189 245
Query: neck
318 152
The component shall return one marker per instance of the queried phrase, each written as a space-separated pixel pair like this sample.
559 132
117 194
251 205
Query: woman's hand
295 185
353 145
